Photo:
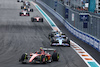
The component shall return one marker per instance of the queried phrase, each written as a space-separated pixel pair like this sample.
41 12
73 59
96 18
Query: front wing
40 20
24 14
57 44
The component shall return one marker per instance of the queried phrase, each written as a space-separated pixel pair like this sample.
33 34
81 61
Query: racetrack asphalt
19 35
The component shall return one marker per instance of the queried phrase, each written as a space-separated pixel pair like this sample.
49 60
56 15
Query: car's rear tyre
29 4
55 56
50 36
28 14
51 44
42 20
43 59
22 7
52 40
20 14
23 57
32 19
68 41
31 10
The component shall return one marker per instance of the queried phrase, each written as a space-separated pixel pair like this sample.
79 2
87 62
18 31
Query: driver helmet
41 48
26 54
60 32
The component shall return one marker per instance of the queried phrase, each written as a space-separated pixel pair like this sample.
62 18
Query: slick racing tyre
28 14
22 7
68 41
43 59
50 36
32 19
20 14
51 44
41 19
31 10
23 57
51 41
55 56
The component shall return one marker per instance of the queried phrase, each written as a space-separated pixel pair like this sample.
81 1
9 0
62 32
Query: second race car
36 19
57 38
56 34
60 41
29 10
24 13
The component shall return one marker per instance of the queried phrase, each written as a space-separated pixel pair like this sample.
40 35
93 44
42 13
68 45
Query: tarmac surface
19 35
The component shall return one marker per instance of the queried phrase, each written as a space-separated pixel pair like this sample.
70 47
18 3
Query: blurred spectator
62 1
67 2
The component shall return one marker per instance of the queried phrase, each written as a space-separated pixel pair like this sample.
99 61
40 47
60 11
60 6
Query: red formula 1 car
42 56
24 13
36 19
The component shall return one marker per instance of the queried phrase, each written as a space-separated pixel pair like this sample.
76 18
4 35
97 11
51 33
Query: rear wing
49 49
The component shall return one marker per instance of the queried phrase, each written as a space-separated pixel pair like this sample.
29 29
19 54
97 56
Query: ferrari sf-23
42 56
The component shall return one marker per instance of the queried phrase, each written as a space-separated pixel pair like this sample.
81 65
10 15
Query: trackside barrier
89 39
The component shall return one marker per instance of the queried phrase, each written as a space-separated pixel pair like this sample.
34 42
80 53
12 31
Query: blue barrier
91 40
96 44
99 46
87 40
80 35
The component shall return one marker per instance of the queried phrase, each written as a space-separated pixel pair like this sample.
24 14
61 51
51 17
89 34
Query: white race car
26 3
57 38
24 13
60 41
29 10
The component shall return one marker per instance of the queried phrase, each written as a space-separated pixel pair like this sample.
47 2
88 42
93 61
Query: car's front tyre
43 59
22 58
32 19
55 56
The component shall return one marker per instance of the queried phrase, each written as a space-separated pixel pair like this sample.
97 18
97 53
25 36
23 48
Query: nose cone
60 42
